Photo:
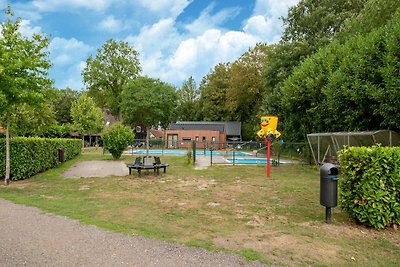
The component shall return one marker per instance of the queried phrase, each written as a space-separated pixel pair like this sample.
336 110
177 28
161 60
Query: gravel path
97 168
30 238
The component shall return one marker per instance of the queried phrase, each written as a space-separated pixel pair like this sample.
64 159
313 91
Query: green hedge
30 156
370 186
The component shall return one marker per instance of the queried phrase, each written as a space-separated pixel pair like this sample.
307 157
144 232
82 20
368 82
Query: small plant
116 138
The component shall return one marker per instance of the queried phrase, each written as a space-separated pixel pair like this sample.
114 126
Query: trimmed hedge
29 156
370 186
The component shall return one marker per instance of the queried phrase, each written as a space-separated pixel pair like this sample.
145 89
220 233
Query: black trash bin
61 155
329 176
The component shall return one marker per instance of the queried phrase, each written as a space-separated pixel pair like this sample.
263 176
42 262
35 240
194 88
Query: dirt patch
97 168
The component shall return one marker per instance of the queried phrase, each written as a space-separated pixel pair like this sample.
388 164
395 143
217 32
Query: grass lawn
230 208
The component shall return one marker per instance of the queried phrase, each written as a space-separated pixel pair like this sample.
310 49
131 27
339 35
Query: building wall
204 137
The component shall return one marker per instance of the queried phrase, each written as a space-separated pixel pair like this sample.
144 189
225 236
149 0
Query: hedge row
370 186
29 156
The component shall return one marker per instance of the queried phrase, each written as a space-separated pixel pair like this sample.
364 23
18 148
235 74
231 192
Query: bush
30 156
370 186
116 138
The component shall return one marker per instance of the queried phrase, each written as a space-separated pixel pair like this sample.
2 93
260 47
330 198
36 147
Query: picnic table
147 164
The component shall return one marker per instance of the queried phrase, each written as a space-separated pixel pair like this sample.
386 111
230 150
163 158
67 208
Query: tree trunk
8 165
147 141
83 141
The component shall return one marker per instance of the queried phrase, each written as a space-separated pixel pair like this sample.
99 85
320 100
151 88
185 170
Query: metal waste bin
329 176
61 155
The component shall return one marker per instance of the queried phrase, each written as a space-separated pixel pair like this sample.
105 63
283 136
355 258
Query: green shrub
30 156
116 138
370 186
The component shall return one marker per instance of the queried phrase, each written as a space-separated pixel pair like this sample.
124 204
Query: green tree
213 94
116 138
350 86
150 102
309 26
24 66
188 96
115 64
33 120
87 117
61 100
246 90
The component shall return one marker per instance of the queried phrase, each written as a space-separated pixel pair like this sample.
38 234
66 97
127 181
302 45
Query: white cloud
207 21
67 51
68 55
273 8
111 24
28 30
265 29
57 5
165 8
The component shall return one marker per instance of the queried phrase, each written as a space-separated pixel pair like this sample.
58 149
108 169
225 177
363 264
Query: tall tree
61 100
24 66
188 96
150 102
309 26
33 120
245 90
213 89
115 64
349 86
87 117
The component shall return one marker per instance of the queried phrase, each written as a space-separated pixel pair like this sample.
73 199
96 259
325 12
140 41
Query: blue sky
175 38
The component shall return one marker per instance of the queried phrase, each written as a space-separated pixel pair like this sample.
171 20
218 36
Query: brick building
182 133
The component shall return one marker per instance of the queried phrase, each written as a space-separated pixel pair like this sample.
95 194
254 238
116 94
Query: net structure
325 146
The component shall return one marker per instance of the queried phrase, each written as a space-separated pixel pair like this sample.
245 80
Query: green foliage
188 96
32 120
309 26
24 65
370 186
148 101
61 100
347 86
213 98
30 156
245 90
87 117
116 138
375 14
115 64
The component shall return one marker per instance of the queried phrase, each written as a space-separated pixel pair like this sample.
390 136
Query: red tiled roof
157 133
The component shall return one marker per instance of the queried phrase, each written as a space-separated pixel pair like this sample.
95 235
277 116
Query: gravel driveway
30 238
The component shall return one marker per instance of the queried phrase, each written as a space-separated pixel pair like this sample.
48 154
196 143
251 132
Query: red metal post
268 157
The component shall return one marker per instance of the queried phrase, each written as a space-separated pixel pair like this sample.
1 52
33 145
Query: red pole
268 157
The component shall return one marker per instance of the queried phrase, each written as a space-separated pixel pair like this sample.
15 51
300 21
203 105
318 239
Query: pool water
184 152
248 160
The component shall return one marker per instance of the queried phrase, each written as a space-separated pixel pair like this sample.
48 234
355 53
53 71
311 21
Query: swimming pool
248 160
178 152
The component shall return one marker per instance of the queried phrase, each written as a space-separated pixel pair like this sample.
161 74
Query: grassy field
230 208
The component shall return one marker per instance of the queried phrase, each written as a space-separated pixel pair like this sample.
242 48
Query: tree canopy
87 117
24 66
148 101
188 96
115 64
